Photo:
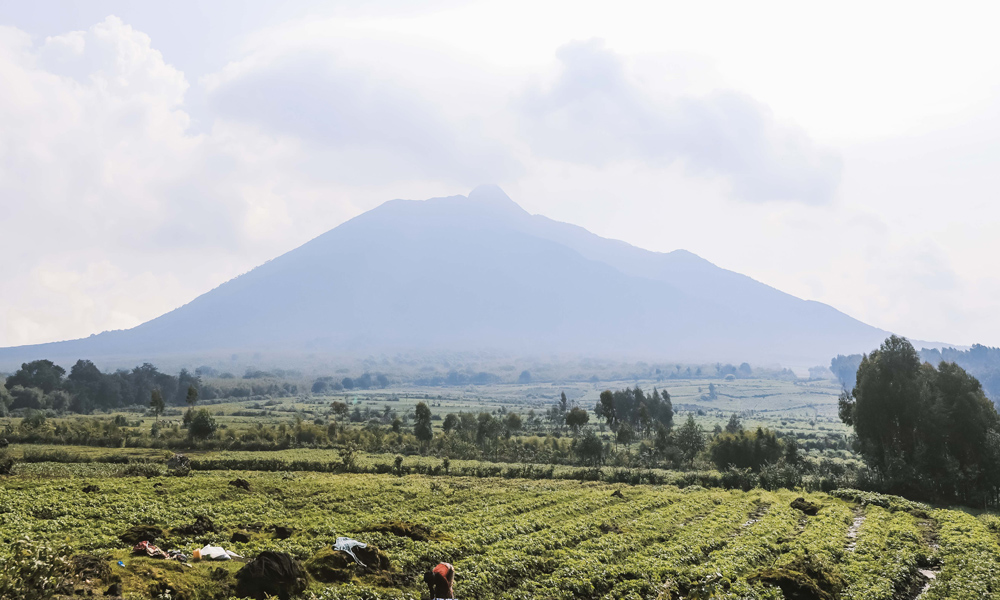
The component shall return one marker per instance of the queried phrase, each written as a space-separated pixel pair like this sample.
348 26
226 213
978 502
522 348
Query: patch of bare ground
855 528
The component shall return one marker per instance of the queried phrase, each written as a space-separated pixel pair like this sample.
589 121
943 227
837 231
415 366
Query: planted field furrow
493 572
580 527
884 562
813 557
519 539
501 511
755 545
970 559
678 534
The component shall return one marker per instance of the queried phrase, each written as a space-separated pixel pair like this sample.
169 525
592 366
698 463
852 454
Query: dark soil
374 559
201 526
271 573
793 585
88 566
610 528
416 532
804 579
282 532
240 537
331 566
809 508
141 533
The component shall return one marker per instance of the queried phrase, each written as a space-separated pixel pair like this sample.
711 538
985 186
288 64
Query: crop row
884 563
519 539
971 558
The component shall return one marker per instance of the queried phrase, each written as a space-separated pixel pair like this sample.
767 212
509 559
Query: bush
202 425
6 462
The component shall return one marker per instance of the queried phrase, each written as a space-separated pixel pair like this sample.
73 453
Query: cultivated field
512 538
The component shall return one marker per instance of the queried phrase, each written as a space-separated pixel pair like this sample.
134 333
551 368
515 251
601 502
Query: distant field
519 539
806 409
762 401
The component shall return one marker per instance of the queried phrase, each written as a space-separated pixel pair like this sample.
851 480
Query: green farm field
792 407
513 538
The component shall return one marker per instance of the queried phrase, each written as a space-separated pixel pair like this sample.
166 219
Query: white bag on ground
210 552
346 544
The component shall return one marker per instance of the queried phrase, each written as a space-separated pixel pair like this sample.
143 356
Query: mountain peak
489 192
492 195
477 272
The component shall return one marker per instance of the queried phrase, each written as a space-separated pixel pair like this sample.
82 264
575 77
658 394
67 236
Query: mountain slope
478 272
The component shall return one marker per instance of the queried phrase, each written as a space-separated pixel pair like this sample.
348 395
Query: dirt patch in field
809 508
282 532
802 579
414 531
854 529
756 516
202 525
240 537
141 533
271 574
88 566
331 566
610 527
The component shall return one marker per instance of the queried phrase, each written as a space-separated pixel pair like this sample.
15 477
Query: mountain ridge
480 272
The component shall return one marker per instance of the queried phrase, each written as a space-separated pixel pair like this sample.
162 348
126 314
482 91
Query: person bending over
441 581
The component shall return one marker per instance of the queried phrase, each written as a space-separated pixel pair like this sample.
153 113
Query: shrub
202 425
6 462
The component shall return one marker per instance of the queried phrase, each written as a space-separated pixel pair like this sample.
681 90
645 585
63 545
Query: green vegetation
577 489
925 433
507 538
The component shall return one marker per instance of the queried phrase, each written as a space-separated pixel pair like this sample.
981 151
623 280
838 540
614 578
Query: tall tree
886 404
605 408
512 422
42 374
925 431
735 424
845 368
422 427
590 449
577 418
156 404
690 439
192 396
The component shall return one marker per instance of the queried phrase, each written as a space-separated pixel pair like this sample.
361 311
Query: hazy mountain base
479 273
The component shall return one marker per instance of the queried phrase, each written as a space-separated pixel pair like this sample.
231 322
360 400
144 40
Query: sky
847 153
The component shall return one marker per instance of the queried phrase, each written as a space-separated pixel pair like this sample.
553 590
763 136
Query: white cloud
366 124
98 166
597 111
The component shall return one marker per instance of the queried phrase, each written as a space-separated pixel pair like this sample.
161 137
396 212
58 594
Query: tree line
44 385
924 432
